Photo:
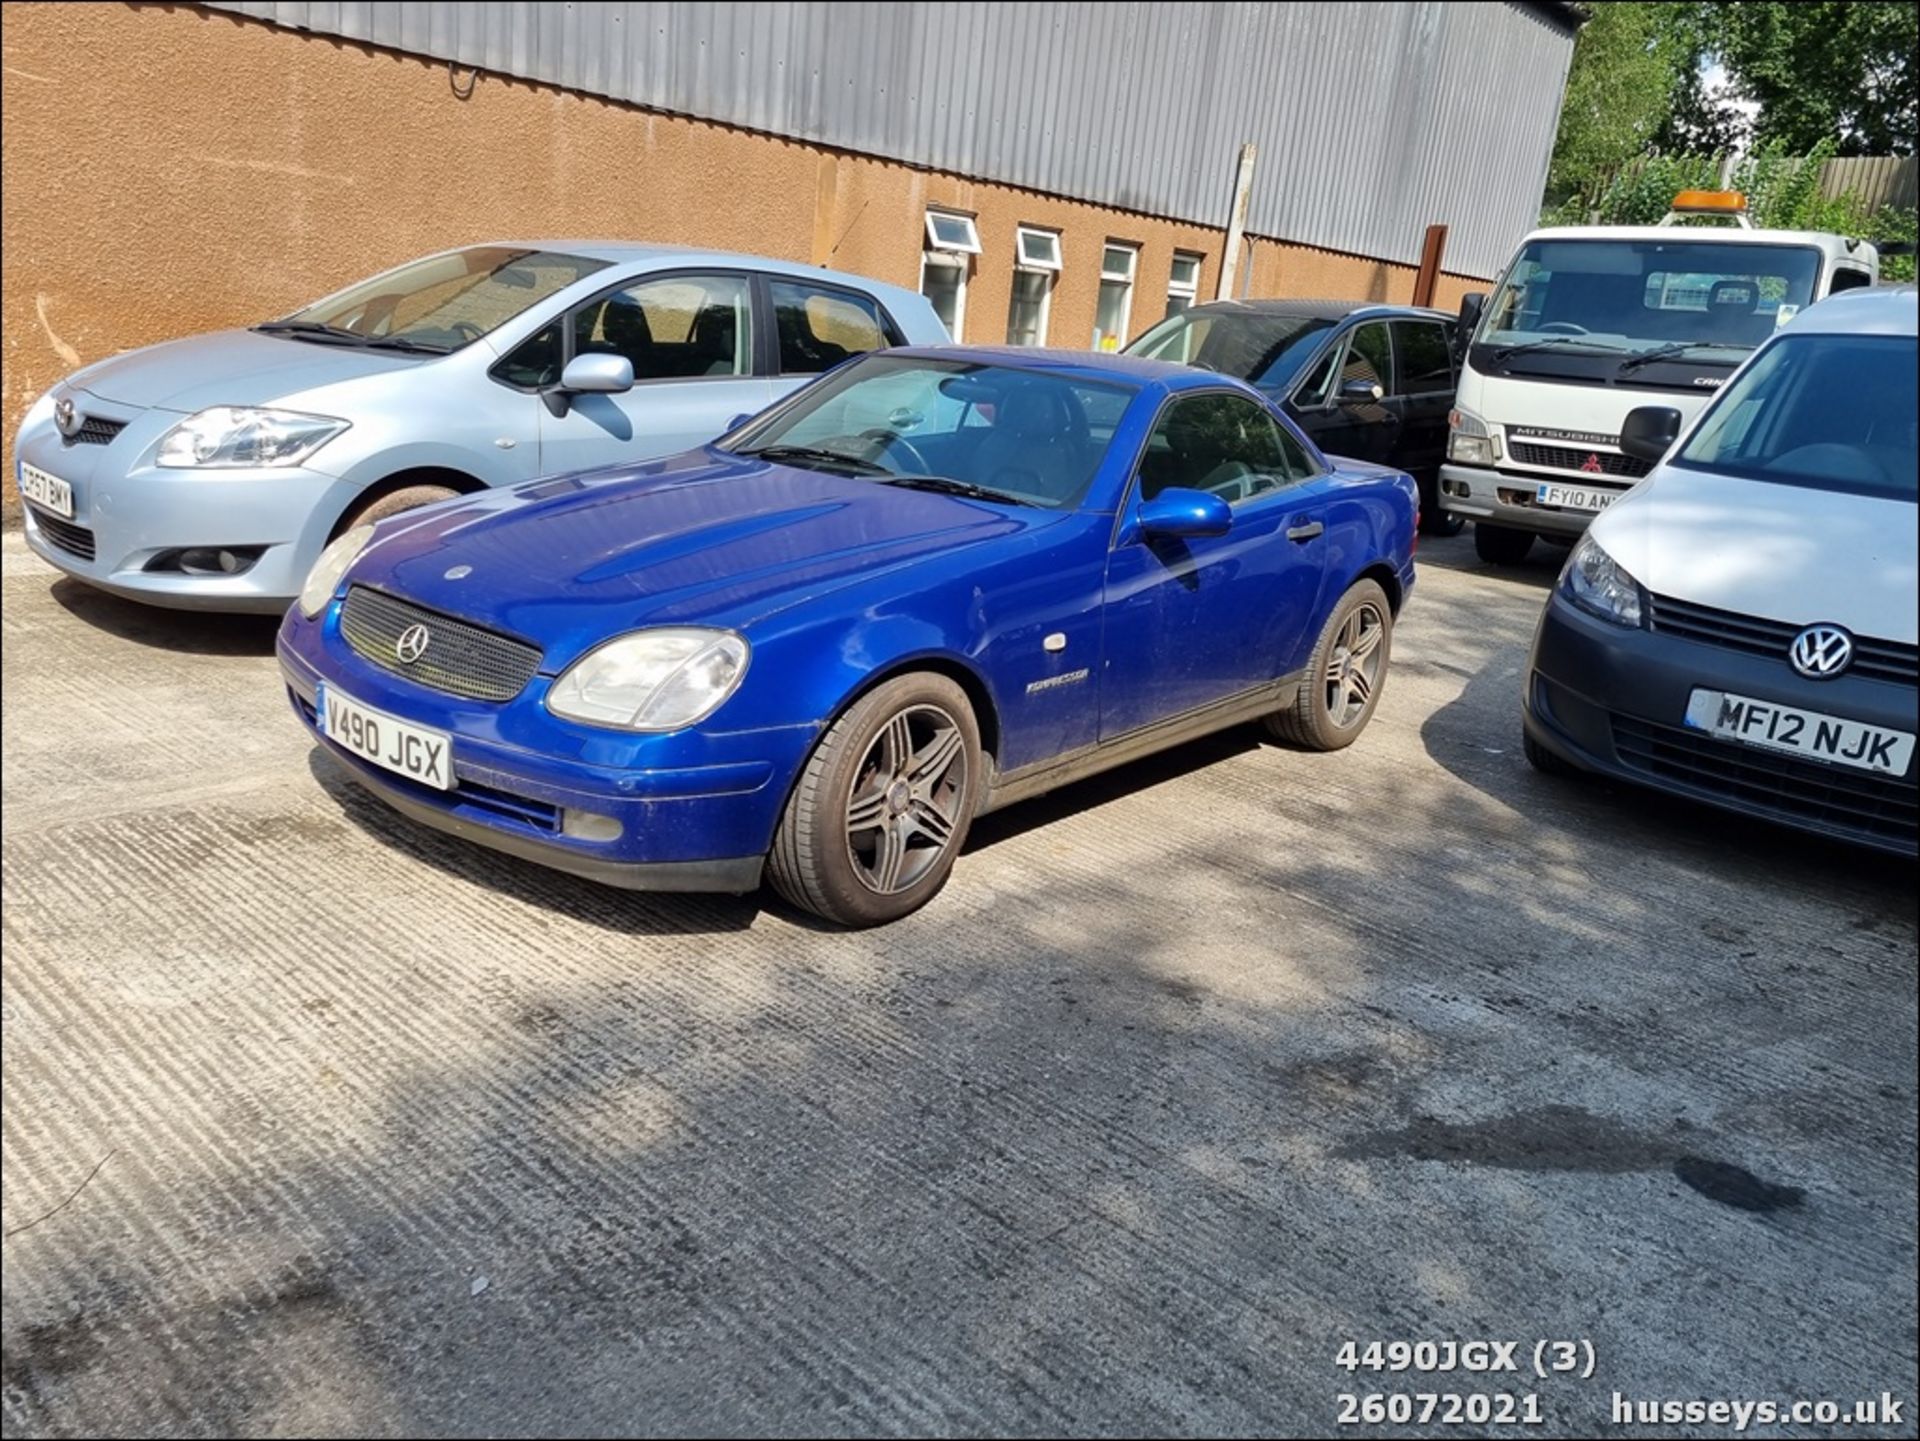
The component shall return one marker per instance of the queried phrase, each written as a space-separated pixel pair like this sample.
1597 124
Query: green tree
1619 93
1839 70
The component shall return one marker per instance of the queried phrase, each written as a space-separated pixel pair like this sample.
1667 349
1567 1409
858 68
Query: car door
1187 622
1423 370
1335 403
690 337
816 326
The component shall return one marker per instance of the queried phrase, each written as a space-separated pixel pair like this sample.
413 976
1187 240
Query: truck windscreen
1635 310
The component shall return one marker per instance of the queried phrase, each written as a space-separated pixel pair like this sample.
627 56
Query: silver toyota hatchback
208 473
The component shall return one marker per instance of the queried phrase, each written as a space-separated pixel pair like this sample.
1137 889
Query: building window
1117 264
952 242
1036 263
1183 283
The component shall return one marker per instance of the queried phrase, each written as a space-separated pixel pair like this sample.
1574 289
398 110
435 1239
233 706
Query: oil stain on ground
1566 1138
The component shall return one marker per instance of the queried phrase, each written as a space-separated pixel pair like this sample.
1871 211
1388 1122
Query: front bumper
1610 700
686 822
130 514
1505 497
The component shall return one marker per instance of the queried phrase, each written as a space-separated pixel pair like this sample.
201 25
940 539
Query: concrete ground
1197 1072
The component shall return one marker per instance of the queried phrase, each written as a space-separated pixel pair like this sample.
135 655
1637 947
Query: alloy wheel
904 810
1353 667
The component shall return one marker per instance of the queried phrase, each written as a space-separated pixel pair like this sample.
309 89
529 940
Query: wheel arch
459 481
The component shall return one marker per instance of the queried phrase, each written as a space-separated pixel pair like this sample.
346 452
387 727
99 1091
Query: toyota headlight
238 435
652 680
328 571
1599 585
1470 441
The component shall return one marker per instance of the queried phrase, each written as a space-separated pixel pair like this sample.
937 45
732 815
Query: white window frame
1023 233
1050 268
1125 277
970 246
958 262
1189 292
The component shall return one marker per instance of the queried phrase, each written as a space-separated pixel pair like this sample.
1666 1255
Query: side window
819 328
1426 364
1370 356
1847 278
1317 388
1299 464
1224 444
680 327
534 362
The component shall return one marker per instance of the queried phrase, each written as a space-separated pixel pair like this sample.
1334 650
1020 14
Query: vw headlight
1596 582
652 680
237 435
328 571
1470 441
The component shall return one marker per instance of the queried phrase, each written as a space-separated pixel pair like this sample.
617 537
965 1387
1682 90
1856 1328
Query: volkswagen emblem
1821 652
64 419
412 644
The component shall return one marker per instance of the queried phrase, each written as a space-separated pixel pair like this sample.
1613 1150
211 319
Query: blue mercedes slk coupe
932 583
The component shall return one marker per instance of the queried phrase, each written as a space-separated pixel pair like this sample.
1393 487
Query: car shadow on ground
1456 553
1477 737
639 913
190 632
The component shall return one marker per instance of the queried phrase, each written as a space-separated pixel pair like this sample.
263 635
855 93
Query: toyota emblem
1821 652
412 644
64 419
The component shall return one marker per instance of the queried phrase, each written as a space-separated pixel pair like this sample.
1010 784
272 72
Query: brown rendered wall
170 170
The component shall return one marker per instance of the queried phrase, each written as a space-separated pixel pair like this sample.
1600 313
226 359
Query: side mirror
1179 512
1649 432
1359 392
596 374
1470 308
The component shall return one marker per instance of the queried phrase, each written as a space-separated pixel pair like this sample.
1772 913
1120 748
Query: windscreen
1267 351
1829 412
443 302
1000 432
1705 302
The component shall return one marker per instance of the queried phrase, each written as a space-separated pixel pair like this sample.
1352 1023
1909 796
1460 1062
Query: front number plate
1800 732
1576 497
46 490
412 751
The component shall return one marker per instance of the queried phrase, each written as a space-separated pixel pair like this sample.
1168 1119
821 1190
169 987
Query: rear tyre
1542 759
1501 544
409 497
1345 676
1433 520
882 806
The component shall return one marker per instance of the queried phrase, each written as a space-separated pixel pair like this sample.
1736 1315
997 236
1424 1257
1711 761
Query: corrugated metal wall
1373 120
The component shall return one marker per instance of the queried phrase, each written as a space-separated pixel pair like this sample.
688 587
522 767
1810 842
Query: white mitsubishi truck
1592 321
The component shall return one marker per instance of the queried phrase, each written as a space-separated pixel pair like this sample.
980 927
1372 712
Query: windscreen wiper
401 342
817 456
945 486
310 327
1507 352
1667 352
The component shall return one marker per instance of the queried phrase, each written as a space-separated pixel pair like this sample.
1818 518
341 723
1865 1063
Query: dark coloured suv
1374 382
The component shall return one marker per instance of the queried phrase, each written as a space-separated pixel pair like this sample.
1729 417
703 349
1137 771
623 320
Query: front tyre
882 806
1345 676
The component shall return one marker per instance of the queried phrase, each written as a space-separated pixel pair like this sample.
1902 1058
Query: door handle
1303 533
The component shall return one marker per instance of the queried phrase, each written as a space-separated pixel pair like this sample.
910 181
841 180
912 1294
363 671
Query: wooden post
1431 250
1236 224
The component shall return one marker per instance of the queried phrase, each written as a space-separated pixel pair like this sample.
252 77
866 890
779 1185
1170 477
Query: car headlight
1470 441
236 435
1599 585
328 571
652 680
